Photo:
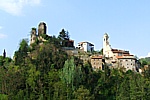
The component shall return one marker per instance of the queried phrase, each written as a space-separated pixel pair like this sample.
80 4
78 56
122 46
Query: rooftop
126 57
97 57
86 42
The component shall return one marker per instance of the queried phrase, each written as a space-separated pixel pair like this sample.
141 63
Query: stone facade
96 62
33 35
41 30
114 58
127 62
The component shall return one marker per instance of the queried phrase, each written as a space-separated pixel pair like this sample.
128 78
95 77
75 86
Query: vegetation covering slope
46 72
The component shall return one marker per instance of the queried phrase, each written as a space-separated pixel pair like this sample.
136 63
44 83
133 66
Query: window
126 60
131 63
119 54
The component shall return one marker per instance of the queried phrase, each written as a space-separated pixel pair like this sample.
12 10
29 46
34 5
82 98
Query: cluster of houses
114 58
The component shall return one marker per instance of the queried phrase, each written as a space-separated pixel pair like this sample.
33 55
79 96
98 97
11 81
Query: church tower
106 46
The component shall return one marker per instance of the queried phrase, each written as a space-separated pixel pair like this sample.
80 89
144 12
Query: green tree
68 75
82 94
31 81
101 51
22 53
4 61
63 35
147 89
60 91
136 87
53 79
64 38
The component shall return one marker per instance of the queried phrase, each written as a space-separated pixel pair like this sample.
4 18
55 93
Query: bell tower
106 46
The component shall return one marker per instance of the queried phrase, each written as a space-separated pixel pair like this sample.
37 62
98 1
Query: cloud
148 55
3 36
15 7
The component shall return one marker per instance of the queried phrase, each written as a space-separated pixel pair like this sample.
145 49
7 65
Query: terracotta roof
114 49
126 57
120 51
119 57
96 57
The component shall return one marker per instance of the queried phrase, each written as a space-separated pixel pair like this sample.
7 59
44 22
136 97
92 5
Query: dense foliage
46 72
145 61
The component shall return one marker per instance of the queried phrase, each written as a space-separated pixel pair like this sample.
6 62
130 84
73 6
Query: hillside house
86 46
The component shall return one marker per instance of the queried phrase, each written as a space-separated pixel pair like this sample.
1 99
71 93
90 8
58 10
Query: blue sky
126 21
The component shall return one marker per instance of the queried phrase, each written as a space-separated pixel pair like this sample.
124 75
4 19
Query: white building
107 51
86 46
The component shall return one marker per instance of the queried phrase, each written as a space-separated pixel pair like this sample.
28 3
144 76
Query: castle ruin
41 30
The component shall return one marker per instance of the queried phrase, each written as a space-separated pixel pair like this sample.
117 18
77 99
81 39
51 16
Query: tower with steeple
107 50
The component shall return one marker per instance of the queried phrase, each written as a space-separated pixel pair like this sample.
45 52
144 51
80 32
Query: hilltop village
53 68
114 58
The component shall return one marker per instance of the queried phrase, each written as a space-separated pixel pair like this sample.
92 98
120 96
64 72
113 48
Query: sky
127 22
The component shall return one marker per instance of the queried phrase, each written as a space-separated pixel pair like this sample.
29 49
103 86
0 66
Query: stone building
96 62
127 62
114 58
33 36
41 30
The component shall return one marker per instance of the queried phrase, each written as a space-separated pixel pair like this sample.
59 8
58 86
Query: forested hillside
145 61
46 72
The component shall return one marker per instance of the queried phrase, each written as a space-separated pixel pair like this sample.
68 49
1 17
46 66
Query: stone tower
42 28
107 52
33 35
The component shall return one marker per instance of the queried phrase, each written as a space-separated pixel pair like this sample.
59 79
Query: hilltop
44 70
